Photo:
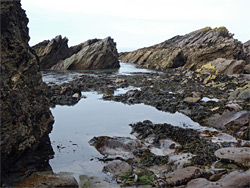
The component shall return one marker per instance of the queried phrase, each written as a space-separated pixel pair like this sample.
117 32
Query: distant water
60 77
76 125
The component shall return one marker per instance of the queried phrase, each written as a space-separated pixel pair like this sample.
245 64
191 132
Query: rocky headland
192 51
90 55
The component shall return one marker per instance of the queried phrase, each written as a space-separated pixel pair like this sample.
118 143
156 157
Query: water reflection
76 125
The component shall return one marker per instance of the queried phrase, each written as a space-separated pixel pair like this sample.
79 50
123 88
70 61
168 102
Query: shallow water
76 125
60 77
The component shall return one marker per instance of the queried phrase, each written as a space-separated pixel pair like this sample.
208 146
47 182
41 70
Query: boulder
118 168
115 147
190 51
223 66
25 115
94 54
182 176
239 155
232 180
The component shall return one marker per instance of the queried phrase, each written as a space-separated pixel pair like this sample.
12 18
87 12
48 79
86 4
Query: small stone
191 99
76 95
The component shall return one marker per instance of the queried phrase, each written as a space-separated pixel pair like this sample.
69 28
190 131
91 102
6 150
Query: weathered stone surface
223 66
94 54
25 115
52 51
49 181
191 50
239 155
117 168
182 176
234 179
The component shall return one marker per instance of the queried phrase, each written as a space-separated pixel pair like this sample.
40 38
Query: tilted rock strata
94 54
25 113
190 51
52 51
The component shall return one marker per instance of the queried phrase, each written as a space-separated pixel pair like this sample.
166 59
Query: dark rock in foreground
190 51
25 115
92 54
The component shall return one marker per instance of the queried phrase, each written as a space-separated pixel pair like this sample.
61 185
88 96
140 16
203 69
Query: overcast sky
133 23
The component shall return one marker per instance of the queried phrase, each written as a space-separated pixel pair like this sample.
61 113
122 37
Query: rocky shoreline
205 75
183 92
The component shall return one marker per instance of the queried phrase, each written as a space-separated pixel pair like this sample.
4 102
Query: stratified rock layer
25 113
92 54
190 51
52 51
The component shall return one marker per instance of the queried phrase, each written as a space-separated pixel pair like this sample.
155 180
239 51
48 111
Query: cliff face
25 115
190 51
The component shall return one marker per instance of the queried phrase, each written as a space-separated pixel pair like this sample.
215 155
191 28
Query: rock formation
52 51
25 115
190 51
92 54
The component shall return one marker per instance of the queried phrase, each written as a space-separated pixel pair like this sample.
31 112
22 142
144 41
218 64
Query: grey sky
133 23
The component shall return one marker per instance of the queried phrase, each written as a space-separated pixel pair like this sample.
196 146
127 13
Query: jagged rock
232 180
50 181
191 50
94 54
52 51
223 66
25 115
239 155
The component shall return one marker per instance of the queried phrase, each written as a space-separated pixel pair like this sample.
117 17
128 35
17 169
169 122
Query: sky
133 24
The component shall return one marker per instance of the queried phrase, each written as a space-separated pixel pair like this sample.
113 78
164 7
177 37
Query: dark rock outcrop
25 115
94 54
190 51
